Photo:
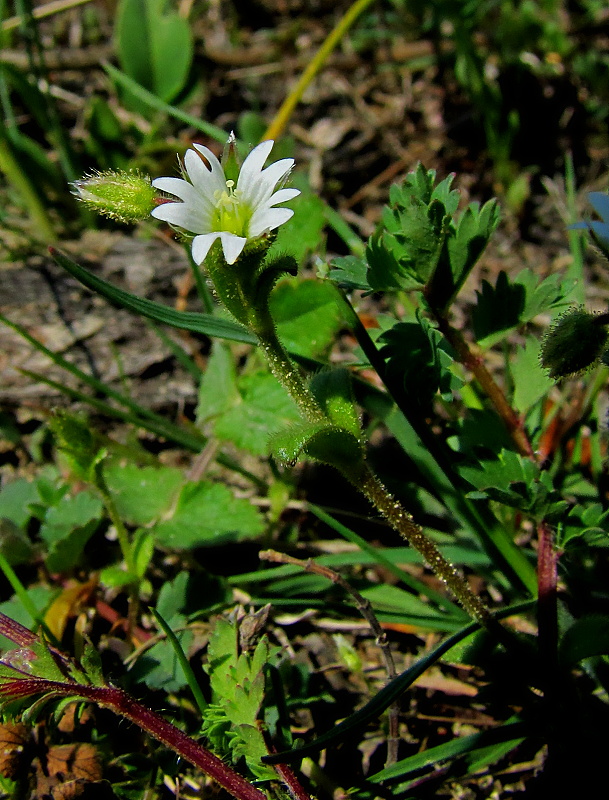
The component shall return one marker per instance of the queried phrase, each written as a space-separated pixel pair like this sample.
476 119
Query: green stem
366 481
126 550
283 368
121 531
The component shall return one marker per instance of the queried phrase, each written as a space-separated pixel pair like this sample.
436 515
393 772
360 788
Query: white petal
263 187
249 173
282 196
184 216
267 219
201 246
206 181
176 186
232 246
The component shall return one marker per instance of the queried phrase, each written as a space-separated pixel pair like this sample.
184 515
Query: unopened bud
231 163
124 196
574 342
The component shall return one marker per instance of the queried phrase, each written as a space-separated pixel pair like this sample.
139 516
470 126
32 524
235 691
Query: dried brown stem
366 610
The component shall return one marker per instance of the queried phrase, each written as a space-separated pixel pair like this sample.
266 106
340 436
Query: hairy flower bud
574 342
124 196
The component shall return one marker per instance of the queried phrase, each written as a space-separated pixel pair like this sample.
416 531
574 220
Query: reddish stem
121 703
547 611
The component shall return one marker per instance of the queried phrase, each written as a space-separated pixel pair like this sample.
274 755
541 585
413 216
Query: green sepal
269 273
320 441
235 284
333 391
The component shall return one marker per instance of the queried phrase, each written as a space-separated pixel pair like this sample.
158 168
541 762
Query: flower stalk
233 216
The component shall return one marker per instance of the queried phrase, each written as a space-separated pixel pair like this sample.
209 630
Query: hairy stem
393 511
364 479
123 704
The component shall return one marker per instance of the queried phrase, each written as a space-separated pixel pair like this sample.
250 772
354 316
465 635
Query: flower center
232 214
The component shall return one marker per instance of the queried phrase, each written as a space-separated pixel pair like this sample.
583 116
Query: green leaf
162 667
333 390
208 514
587 637
64 554
142 494
15 544
218 388
307 314
15 499
518 482
406 251
205 324
590 522
142 549
350 272
303 233
465 244
70 512
40 597
531 382
154 46
262 408
508 304
237 681
320 441
417 356
393 600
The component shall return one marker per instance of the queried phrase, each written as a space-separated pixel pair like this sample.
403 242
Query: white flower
214 208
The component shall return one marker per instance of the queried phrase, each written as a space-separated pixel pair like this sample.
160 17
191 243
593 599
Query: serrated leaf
159 667
307 314
349 272
142 494
531 382
208 514
261 409
518 482
589 523
64 554
465 244
508 304
418 358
